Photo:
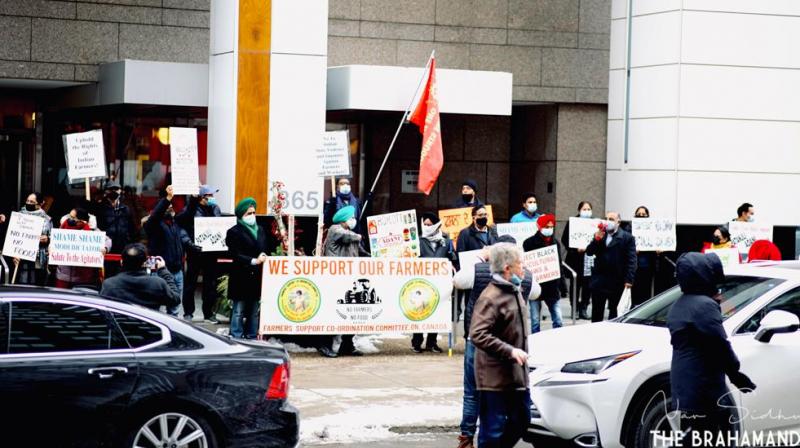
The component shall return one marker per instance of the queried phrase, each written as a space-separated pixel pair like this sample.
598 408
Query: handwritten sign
86 156
334 154
183 160
394 234
521 231
728 257
210 233
654 234
456 219
76 248
744 234
22 236
581 231
543 263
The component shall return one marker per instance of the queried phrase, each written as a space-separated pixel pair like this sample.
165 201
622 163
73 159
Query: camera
151 263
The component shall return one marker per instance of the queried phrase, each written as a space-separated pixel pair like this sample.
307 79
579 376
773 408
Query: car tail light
279 384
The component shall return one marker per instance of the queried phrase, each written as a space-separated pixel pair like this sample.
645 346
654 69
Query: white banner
86 156
543 263
519 230
654 234
22 236
581 231
728 257
76 248
210 233
184 164
394 235
744 234
333 157
346 295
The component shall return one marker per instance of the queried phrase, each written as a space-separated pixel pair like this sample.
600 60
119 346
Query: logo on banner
418 299
357 303
299 300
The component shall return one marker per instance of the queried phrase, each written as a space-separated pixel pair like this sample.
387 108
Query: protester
530 209
70 276
581 263
134 284
763 250
344 197
614 266
72 215
204 205
554 289
500 335
166 239
477 236
116 219
432 244
701 354
35 272
469 195
248 246
720 240
745 213
645 268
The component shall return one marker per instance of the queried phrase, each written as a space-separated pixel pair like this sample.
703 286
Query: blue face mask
531 208
515 280
212 201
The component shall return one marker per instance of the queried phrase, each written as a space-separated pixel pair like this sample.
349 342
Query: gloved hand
195 248
742 382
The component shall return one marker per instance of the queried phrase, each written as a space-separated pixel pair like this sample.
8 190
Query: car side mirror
776 322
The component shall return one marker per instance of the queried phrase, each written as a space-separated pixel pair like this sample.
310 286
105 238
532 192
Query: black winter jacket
117 222
142 289
444 250
468 239
185 219
554 288
615 264
166 238
244 282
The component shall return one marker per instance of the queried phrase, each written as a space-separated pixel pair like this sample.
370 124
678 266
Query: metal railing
573 289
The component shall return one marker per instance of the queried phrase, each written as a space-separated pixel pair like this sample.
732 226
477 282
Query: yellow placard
454 220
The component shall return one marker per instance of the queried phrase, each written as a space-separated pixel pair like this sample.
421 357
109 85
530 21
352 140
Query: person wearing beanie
248 246
764 250
530 209
70 276
554 289
344 198
469 195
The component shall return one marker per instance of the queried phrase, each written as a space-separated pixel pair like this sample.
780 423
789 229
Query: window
3 327
789 301
138 332
38 327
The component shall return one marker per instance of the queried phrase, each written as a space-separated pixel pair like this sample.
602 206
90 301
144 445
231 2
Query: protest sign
76 248
22 236
744 234
521 231
467 260
728 257
456 219
654 234
86 156
210 233
581 231
333 156
543 263
348 295
394 234
183 160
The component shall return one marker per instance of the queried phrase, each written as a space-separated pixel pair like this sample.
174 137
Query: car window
789 301
3 327
138 332
737 292
44 327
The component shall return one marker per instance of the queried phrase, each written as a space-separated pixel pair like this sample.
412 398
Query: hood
699 273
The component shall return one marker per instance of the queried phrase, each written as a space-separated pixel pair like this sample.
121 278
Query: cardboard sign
581 231
210 233
333 156
543 263
347 295
654 234
183 160
456 219
77 248
521 231
22 236
744 234
728 257
394 235
86 155
467 260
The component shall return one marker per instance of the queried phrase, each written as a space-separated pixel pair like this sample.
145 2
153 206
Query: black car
77 369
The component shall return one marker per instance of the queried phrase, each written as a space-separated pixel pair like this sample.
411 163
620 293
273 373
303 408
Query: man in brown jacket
499 331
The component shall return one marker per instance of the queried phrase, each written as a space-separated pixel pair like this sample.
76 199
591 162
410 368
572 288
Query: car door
775 369
66 372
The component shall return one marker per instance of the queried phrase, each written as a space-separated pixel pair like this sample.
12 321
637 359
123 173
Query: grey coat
341 242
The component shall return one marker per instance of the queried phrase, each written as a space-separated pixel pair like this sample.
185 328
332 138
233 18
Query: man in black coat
134 284
614 266
701 353
116 219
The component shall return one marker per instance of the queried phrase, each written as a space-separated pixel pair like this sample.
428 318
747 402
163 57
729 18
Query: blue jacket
166 238
523 216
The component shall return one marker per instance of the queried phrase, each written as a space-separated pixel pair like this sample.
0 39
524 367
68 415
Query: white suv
607 384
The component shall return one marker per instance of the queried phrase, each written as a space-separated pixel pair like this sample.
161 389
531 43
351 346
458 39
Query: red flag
426 117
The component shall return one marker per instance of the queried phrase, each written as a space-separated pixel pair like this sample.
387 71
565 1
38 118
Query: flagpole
396 133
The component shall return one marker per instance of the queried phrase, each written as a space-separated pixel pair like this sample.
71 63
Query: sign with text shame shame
83 248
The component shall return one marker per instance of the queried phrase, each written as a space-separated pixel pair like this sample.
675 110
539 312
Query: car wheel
172 430
655 422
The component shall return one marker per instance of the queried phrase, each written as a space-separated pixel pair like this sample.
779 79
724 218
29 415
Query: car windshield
737 292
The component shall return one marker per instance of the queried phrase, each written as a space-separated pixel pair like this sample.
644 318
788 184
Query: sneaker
327 352
416 349
435 349
212 320
188 317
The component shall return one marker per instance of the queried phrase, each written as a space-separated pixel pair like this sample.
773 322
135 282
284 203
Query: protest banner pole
88 190
290 243
14 277
396 133
333 186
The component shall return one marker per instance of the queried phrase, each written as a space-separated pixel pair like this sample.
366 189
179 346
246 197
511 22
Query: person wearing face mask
530 210
646 263
248 245
581 263
745 213
614 266
553 290
720 239
70 276
204 205
344 197
478 235
469 195
116 219
35 272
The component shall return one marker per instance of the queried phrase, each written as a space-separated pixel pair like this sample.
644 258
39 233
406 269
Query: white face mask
249 220
531 208
344 189
611 225
547 232
351 223
751 218
586 213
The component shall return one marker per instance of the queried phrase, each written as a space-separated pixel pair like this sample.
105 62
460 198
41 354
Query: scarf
252 229
433 233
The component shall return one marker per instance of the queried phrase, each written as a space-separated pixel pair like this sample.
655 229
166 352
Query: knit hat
545 219
471 184
430 215
344 214
82 214
764 250
243 205
506 239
